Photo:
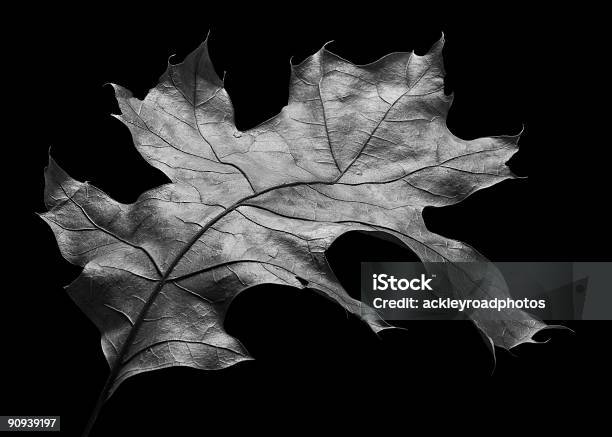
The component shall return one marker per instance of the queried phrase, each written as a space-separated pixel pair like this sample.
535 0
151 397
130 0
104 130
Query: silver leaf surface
356 148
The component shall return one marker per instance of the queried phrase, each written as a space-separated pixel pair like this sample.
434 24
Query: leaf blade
357 148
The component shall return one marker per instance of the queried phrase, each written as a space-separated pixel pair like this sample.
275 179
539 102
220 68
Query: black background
507 68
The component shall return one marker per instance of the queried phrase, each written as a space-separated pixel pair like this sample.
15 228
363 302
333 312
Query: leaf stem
101 399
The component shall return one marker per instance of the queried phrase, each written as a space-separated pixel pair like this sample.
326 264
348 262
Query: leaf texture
356 148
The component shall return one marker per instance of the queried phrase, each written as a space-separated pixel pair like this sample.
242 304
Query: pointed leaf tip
121 92
58 184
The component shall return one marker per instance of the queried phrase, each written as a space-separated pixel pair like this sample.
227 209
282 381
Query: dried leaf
357 148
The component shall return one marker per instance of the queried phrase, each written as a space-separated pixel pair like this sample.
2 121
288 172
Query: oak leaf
356 148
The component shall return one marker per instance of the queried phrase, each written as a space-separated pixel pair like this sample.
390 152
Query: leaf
356 148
